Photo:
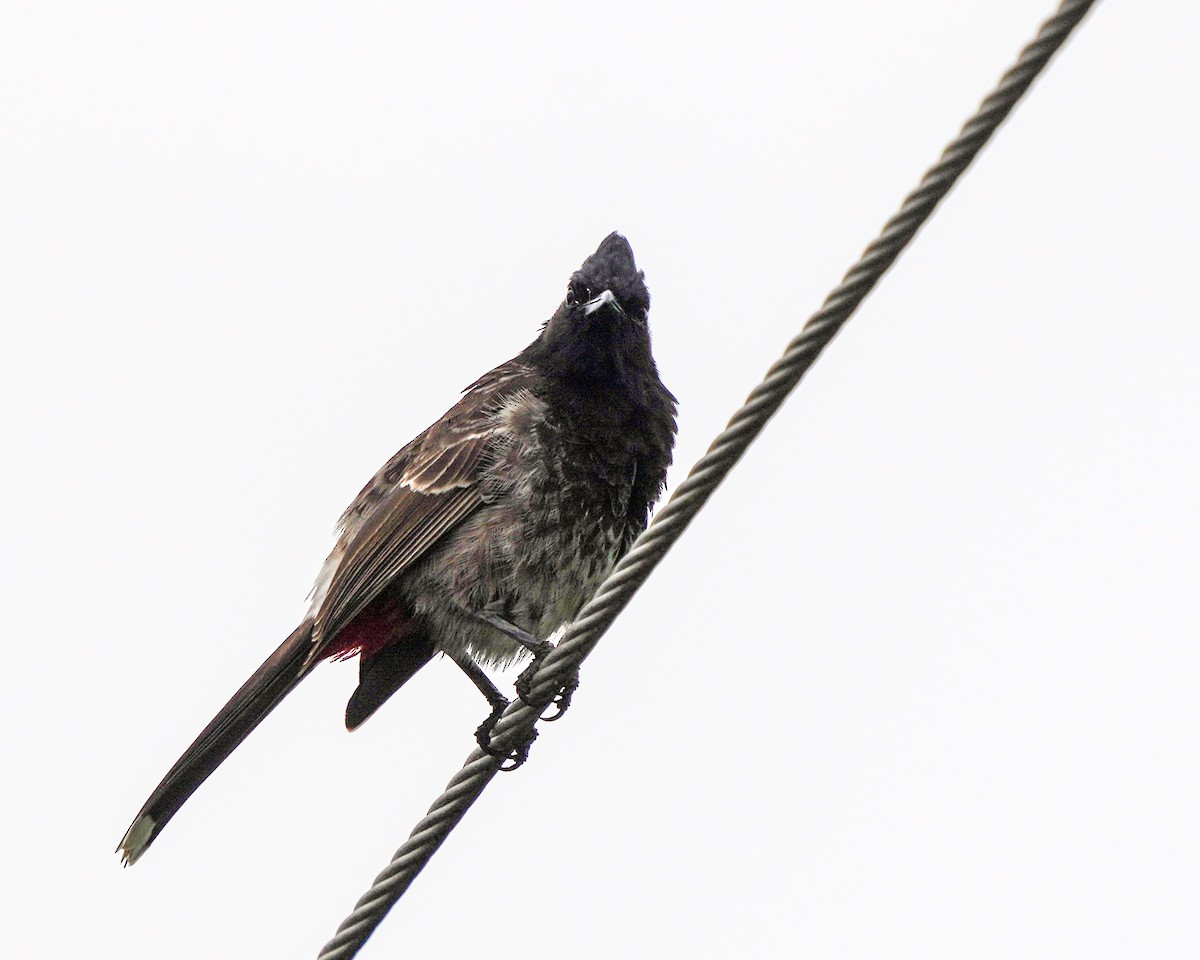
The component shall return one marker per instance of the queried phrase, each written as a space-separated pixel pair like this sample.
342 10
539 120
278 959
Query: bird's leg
499 703
539 649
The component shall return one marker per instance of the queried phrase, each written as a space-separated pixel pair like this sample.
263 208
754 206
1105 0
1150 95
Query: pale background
920 682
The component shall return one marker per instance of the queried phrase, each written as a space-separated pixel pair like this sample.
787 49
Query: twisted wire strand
581 637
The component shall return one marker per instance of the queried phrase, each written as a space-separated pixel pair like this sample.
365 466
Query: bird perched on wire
487 532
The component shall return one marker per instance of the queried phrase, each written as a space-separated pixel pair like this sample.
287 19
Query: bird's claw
518 756
562 702
483 736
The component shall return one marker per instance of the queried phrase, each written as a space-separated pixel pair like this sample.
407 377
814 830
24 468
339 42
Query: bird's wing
427 489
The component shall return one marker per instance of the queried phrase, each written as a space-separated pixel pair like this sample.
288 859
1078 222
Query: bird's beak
605 299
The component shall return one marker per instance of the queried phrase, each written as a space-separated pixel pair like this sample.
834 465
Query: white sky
921 681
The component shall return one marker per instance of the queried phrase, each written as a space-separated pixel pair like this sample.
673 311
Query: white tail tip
136 840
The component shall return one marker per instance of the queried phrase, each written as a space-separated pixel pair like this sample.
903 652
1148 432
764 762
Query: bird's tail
258 696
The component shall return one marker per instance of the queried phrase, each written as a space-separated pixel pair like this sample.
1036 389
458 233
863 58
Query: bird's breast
564 520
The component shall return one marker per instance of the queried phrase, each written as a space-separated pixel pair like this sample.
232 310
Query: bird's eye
578 292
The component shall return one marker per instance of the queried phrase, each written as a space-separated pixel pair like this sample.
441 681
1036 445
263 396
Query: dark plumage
487 531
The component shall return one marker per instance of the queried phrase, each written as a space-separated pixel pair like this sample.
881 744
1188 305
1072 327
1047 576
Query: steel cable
517 723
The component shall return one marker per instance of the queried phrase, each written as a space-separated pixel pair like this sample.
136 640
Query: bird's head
609 281
602 319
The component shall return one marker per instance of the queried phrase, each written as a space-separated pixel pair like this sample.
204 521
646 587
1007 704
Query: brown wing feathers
427 489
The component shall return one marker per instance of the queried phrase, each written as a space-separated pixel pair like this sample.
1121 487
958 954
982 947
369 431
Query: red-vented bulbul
487 532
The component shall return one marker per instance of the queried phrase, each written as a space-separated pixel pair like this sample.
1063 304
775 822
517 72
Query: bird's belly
557 574
523 565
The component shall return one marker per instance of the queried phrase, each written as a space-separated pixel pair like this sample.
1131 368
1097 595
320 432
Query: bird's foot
513 757
562 699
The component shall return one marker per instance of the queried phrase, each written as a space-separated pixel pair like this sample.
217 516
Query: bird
484 534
